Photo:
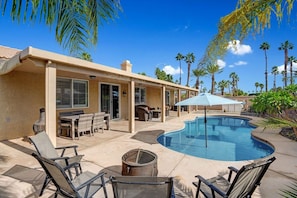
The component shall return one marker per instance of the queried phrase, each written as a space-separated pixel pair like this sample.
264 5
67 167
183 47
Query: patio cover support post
131 101
163 94
50 101
188 96
178 99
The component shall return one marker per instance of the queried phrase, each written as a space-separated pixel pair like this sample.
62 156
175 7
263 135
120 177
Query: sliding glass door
109 100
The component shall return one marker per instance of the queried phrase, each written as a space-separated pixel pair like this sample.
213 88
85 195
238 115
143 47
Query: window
72 93
140 95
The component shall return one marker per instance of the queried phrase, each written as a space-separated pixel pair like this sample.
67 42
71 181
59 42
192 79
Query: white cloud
282 67
238 49
221 63
168 69
240 63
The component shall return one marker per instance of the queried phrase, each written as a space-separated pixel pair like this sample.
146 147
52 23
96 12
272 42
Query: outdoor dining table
73 118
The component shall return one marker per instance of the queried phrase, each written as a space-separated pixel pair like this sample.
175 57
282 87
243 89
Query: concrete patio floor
104 151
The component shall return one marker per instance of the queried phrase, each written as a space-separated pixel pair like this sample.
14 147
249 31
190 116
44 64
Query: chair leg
45 183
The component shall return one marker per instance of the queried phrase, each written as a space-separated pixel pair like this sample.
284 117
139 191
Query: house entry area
109 100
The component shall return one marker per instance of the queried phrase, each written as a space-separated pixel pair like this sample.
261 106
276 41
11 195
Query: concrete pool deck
104 151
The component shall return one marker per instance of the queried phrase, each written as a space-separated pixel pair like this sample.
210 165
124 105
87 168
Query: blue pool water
228 139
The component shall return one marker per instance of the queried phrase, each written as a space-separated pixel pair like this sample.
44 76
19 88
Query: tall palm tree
212 69
292 60
179 57
199 72
274 72
265 46
189 58
234 82
75 22
85 56
261 85
286 46
222 85
257 85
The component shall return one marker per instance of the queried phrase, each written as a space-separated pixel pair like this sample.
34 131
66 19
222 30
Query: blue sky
151 33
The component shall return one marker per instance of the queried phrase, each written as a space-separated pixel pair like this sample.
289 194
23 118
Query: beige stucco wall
21 97
153 97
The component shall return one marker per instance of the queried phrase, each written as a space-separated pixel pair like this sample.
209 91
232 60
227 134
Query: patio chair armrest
59 158
69 166
232 169
91 180
210 185
64 148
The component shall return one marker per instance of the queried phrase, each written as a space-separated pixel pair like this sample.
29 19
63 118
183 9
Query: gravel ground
289 133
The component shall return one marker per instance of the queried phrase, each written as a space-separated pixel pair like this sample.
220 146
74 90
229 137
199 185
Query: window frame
141 99
72 95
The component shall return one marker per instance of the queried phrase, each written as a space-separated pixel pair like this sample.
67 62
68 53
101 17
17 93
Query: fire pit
139 162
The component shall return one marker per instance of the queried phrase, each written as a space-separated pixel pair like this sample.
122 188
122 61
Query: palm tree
261 85
274 72
257 85
199 72
86 56
189 58
292 60
75 22
286 46
179 57
265 46
212 69
222 85
249 17
234 82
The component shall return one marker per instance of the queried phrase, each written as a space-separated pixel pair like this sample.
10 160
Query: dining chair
98 121
84 125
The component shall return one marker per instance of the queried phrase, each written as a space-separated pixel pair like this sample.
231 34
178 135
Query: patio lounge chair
45 148
243 185
144 187
85 185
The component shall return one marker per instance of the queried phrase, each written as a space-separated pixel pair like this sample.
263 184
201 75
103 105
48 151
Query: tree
75 22
179 57
234 82
261 85
292 60
265 46
274 72
249 17
257 85
199 72
286 46
85 56
212 69
189 58
161 75
222 85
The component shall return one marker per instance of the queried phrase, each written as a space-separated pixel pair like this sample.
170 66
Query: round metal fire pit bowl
139 162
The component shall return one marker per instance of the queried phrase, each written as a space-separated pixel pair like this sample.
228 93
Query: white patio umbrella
206 99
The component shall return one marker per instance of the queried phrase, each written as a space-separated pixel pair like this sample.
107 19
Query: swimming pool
228 139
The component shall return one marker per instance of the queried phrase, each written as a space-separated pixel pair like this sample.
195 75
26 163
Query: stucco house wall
22 95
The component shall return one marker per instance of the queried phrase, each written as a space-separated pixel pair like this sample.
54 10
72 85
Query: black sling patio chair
242 185
142 187
85 185
45 148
